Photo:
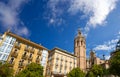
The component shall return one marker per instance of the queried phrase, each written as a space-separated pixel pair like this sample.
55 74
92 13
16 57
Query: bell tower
80 50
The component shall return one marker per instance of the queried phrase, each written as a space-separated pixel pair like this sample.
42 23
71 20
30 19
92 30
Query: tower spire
79 31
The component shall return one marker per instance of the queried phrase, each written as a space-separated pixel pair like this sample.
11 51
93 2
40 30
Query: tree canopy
115 63
95 71
5 70
76 72
32 70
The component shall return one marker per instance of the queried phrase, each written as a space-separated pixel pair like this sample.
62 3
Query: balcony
56 64
27 48
57 58
39 53
38 60
65 66
21 65
17 45
65 60
24 57
32 50
30 58
61 59
14 54
61 65
11 64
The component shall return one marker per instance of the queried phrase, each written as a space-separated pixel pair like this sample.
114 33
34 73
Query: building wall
22 52
6 46
61 62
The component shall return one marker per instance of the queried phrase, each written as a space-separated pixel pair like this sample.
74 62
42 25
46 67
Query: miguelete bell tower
80 50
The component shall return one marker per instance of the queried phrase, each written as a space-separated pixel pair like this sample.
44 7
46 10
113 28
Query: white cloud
104 47
107 57
9 16
22 31
119 32
97 10
118 35
56 11
107 46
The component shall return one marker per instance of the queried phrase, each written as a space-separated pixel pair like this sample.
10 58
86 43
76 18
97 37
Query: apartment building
60 63
19 52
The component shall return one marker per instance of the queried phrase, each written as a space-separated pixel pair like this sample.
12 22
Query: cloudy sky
54 23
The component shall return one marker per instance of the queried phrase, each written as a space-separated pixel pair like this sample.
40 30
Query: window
12 41
30 55
7 39
77 43
3 47
37 57
29 61
0 54
56 68
81 42
60 69
8 49
11 61
24 53
15 50
4 57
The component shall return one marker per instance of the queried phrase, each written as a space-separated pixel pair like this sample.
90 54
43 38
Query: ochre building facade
20 52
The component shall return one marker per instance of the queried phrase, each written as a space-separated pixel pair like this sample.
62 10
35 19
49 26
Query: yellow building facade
60 63
19 52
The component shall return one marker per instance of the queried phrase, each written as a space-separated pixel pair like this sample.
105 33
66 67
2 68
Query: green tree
5 70
76 72
90 74
32 70
115 63
95 71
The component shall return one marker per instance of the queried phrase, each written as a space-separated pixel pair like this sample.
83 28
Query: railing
11 64
17 45
39 53
24 57
38 60
21 65
32 50
57 58
61 65
56 64
26 48
14 54
30 58
61 59
65 60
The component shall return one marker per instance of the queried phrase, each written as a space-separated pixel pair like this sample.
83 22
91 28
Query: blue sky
54 23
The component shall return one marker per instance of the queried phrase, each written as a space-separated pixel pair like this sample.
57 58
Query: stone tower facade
80 50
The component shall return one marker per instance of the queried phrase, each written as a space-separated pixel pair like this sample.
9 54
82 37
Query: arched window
77 43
